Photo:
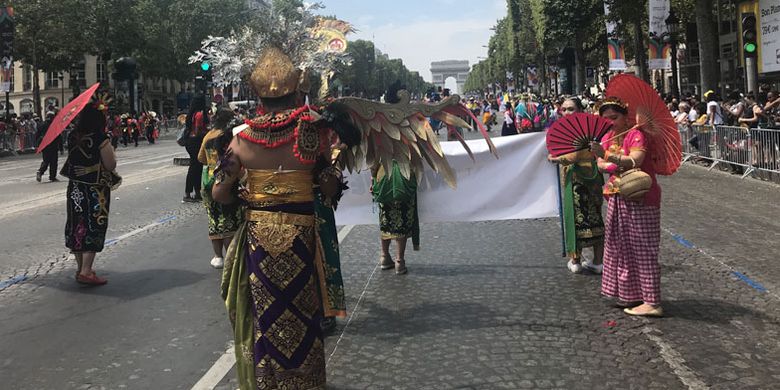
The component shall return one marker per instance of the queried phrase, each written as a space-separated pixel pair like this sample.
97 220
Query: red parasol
575 132
648 110
65 116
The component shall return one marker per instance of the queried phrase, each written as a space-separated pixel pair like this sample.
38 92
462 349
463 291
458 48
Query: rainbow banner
659 52
615 48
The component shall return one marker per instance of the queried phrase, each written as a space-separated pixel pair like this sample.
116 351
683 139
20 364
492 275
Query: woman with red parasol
631 271
90 165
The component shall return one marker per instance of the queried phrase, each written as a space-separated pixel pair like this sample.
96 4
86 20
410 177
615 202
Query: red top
198 127
633 140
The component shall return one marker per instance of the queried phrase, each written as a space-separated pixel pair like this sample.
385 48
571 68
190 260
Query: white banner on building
615 49
521 184
659 56
769 31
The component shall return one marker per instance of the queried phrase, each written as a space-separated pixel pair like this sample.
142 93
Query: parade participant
633 228
224 219
125 129
397 200
89 167
197 125
581 170
274 275
49 153
509 128
135 128
150 126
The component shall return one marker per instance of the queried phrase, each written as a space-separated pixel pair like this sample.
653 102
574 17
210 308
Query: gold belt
280 218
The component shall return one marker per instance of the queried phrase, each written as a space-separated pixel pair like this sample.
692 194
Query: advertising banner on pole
769 35
615 49
6 47
659 56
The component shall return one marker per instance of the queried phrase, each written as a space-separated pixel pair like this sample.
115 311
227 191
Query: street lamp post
62 88
672 28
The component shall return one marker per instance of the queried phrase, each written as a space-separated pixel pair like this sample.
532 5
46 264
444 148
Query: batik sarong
582 201
633 234
87 219
288 349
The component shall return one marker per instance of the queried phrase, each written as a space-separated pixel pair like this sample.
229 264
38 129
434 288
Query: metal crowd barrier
743 150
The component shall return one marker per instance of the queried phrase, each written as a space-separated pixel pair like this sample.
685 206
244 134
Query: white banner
521 184
769 32
659 54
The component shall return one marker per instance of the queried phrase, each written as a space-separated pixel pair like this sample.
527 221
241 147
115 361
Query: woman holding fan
631 271
582 200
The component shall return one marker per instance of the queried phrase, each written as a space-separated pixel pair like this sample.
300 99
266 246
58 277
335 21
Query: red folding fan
575 132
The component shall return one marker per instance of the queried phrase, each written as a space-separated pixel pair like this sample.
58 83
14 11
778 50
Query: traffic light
749 34
205 66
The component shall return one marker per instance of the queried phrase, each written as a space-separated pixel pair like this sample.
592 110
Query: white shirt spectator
693 115
718 120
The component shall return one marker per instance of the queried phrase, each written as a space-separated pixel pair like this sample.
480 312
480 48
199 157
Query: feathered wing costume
286 350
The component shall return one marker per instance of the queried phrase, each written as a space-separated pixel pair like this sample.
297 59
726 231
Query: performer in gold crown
279 279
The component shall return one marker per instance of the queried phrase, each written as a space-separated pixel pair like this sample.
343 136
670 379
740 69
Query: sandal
91 279
386 262
400 267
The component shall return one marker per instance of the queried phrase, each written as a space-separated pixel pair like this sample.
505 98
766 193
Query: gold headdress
612 101
275 75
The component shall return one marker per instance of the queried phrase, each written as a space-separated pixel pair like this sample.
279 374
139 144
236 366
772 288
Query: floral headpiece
102 101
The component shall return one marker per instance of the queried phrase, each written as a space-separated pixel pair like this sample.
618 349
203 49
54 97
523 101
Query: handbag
183 136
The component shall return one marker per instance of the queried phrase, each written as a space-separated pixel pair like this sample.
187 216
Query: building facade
58 87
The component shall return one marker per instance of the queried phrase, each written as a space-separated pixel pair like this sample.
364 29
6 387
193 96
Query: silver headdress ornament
293 30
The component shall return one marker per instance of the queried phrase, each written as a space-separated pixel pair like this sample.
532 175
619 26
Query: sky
422 31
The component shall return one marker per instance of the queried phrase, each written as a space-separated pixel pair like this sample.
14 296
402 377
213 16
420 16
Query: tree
708 45
571 24
45 43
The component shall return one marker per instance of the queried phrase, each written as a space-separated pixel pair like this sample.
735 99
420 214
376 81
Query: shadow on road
127 285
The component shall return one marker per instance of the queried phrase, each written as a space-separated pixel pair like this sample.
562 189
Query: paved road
485 306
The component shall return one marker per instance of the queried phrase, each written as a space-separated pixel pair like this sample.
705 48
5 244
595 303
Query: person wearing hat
49 153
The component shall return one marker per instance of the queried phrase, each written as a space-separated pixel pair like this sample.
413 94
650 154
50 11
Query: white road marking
218 371
225 363
352 314
676 362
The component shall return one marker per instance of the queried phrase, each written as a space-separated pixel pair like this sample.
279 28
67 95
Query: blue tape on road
750 282
111 242
166 219
12 281
683 241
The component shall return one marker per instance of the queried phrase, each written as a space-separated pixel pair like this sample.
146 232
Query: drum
634 184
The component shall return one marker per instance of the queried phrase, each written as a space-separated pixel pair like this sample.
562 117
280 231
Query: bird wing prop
382 133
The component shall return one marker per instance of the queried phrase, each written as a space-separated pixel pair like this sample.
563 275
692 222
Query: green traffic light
205 66
750 47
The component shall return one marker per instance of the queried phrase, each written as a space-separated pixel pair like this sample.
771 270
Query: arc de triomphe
441 70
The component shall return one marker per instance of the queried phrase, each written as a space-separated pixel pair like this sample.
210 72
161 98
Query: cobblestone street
485 305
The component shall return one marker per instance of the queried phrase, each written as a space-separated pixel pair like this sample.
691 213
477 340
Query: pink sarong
632 238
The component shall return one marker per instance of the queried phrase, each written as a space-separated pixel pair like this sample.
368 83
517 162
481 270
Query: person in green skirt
581 185
224 219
